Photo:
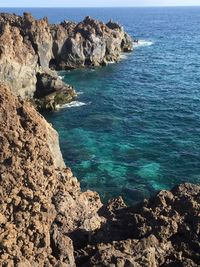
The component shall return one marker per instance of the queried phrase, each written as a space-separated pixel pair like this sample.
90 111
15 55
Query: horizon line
99 6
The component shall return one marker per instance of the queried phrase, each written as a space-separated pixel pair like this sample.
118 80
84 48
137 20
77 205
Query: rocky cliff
45 219
40 200
31 49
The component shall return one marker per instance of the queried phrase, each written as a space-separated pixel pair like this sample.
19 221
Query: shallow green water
136 126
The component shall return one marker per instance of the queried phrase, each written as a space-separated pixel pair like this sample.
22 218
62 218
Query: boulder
51 92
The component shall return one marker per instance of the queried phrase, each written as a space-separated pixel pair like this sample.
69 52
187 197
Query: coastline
47 221
45 218
37 49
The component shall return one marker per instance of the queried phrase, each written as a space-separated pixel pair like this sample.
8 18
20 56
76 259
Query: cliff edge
45 219
31 50
38 194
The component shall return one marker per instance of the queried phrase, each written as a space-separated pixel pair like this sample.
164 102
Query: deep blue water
140 128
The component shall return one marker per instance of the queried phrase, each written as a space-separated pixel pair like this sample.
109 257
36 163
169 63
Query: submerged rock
30 47
45 219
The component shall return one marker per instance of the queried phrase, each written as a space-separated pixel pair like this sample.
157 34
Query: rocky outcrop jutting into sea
31 49
45 219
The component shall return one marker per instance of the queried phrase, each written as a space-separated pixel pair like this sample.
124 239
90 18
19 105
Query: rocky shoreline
45 218
31 50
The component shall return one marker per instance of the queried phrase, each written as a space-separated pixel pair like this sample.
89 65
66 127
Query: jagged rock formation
45 219
29 48
163 231
88 43
51 91
37 193
18 62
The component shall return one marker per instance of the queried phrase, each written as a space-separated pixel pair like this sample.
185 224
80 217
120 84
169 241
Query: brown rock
18 62
45 219
32 178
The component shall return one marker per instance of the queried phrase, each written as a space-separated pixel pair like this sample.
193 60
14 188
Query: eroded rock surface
45 219
30 47
88 43
18 62
163 231
40 200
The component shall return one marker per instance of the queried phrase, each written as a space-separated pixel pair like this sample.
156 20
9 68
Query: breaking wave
74 104
142 43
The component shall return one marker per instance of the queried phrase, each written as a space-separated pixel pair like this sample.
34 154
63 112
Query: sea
135 127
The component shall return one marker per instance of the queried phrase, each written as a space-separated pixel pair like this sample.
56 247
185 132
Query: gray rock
29 47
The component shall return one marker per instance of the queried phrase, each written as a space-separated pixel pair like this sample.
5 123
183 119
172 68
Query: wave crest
142 43
74 104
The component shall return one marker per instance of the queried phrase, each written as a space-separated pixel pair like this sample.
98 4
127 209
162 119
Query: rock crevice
37 192
45 219
31 49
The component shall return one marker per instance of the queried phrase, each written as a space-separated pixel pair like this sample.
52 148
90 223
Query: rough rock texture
29 48
37 193
163 231
88 43
51 91
45 219
18 62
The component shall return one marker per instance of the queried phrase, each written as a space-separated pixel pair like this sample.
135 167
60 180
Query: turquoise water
139 130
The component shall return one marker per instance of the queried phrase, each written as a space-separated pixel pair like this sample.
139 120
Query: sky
97 3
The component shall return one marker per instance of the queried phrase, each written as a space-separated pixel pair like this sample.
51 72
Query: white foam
74 104
79 93
123 56
111 62
61 77
142 43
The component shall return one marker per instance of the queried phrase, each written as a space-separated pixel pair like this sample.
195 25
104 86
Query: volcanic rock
40 200
162 231
45 219
30 47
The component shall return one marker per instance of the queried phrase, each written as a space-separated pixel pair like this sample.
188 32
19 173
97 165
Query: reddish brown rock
45 219
37 192
163 231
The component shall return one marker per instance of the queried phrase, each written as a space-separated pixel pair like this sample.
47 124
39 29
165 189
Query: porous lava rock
46 220
40 200
162 231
